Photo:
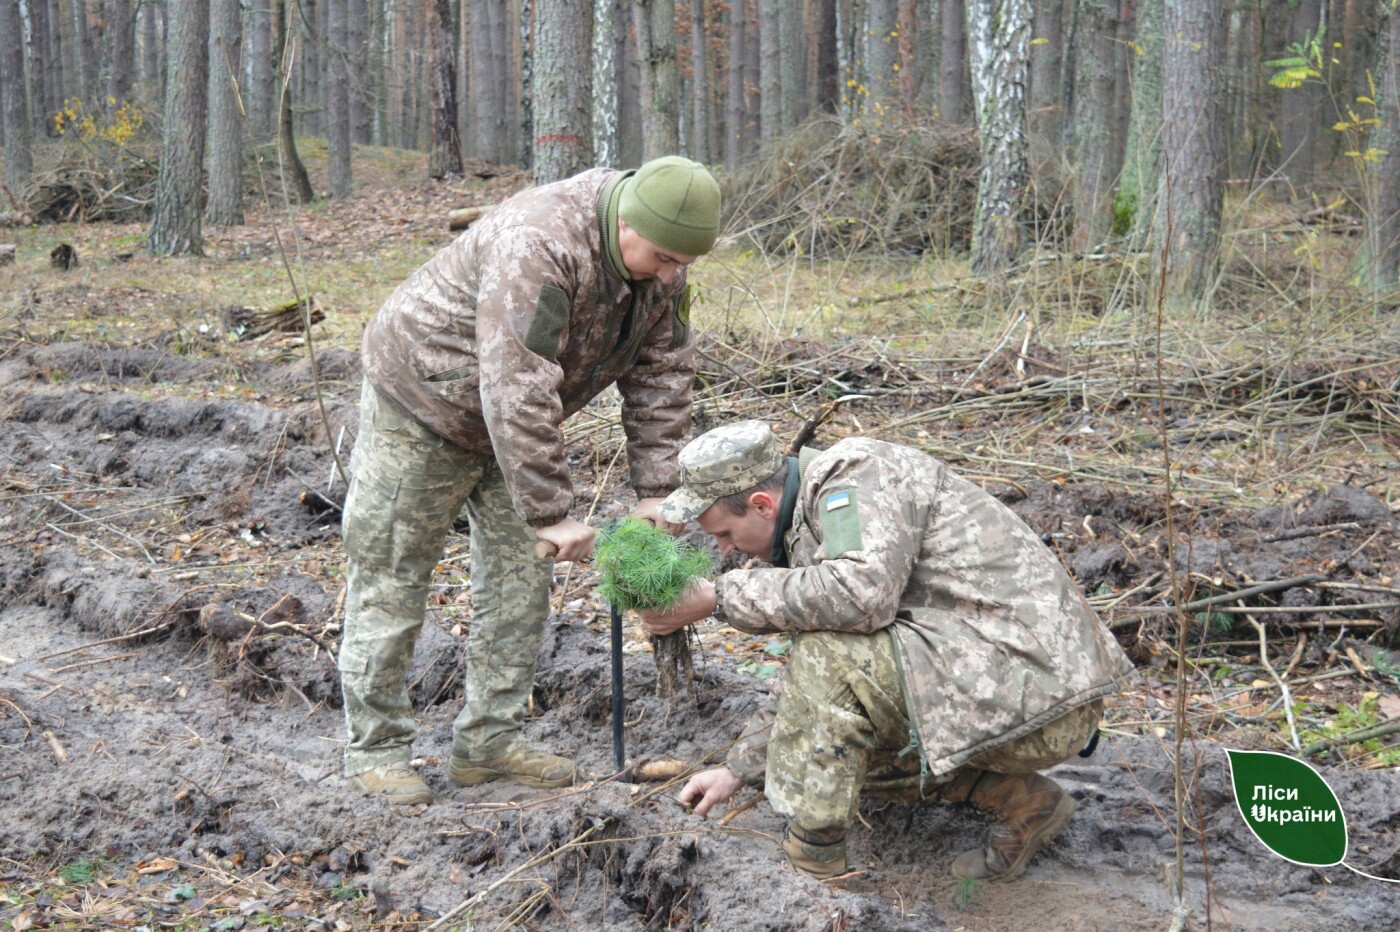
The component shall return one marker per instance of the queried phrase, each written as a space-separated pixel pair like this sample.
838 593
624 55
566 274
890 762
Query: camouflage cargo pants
842 732
408 485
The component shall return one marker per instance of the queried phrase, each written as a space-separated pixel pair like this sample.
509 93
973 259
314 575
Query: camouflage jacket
523 319
995 640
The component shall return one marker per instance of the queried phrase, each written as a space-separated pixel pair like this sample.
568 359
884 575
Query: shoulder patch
547 324
840 521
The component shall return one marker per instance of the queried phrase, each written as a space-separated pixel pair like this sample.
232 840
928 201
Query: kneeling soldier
940 649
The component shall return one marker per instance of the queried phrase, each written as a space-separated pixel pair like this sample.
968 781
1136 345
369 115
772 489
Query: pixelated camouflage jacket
994 638
523 319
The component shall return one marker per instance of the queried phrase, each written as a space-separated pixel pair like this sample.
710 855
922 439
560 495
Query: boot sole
1057 821
475 776
423 797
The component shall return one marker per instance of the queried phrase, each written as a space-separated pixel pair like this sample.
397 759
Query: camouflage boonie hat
721 462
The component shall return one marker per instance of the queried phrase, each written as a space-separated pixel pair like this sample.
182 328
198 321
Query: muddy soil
169 595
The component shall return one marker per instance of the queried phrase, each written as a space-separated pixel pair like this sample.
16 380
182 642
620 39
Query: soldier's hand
697 603
708 788
571 540
646 511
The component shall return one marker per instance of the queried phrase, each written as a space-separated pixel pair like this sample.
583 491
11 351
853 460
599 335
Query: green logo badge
1291 809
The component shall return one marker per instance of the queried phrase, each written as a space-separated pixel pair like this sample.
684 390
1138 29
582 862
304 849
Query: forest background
1132 266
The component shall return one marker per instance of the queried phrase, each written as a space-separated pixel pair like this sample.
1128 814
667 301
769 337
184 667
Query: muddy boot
1030 810
397 783
819 854
520 764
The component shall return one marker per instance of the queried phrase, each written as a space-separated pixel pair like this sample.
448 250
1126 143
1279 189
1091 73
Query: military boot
820 854
1030 810
398 783
520 764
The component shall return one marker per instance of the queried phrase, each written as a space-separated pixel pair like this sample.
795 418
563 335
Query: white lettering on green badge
840 519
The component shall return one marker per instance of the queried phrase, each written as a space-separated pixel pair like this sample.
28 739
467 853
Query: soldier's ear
763 503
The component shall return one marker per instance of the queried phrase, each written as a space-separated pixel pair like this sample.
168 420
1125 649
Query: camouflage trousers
408 486
842 732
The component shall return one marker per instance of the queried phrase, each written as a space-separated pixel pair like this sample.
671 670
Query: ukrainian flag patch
840 520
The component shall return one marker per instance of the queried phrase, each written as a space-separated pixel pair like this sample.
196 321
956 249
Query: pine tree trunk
789 63
1381 251
44 99
257 71
82 68
999 38
14 103
118 52
286 139
1046 94
655 22
1094 167
827 80
770 74
152 65
604 81
1142 158
359 62
1188 224
954 94
699 85
175 219
881 57
225 140
313 35
339 166
445 156
563 116
735 118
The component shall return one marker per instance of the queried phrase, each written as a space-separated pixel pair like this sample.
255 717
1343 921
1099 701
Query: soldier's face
645 260
750 533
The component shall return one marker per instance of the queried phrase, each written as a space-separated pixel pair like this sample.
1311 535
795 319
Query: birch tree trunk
445 156
175 218
655 22
1380 258
1093 143
1188 226
563 112
604 81
14 103
224 147
998 34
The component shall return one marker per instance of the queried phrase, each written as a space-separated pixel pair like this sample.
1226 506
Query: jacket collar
779 555
608 196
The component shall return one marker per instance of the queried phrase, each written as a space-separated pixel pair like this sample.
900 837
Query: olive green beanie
674 203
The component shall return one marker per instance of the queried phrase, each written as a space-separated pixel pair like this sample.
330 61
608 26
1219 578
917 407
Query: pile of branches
830 188
83 183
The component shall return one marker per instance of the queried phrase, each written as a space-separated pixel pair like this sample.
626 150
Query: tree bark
225 140
1188 227
175 218
14 103
45 98
881 62
527 84
118 53
152 45
604 81
954 93
827 80
1046 94
82 65
358 44
336 49
292 165
999 38
770 74
257 87
1094 166
445 156
1136 199
735 113
699 85
655 22
1380 258
563 41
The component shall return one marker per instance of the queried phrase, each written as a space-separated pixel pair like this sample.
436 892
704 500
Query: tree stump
249 323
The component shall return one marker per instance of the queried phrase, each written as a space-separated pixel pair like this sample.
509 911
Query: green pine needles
643 567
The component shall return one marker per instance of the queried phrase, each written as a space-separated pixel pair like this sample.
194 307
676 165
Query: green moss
643 567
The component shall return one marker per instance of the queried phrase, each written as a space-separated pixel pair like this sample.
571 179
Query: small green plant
345 893
83 871
1303 63
643 567
1351 718
1125 208
967 892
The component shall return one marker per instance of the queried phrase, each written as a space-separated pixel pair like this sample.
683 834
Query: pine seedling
643 567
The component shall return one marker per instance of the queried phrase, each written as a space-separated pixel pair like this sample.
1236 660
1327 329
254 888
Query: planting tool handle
544 549
619 757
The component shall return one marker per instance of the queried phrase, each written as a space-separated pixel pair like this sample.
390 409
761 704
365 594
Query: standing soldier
471 367
940 650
